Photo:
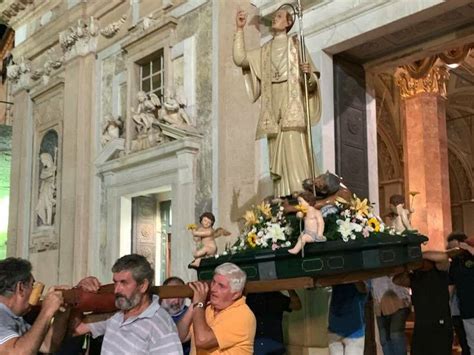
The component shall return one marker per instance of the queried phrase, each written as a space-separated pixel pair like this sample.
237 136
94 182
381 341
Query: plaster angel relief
173 118
111 129
145 118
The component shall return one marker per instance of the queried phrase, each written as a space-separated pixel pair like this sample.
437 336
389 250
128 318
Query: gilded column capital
433 81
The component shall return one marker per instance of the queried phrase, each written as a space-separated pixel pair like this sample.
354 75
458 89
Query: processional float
358 245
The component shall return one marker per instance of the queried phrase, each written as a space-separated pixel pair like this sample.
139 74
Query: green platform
323 259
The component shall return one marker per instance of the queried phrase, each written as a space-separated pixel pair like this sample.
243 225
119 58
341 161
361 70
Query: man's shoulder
161 319
6 318
242 312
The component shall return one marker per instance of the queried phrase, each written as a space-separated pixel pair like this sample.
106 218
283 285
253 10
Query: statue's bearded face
280 21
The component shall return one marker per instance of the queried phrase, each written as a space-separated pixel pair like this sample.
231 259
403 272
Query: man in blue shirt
176 308
346 319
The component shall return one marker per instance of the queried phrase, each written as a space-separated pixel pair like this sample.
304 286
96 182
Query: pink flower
275 246
366 232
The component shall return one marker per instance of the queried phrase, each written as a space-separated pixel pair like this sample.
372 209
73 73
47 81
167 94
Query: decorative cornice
14 8
434 82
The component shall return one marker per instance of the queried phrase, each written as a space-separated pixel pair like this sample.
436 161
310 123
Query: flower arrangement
265 226
353 220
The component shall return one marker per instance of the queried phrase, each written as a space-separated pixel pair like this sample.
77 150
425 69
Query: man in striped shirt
141 326
17 336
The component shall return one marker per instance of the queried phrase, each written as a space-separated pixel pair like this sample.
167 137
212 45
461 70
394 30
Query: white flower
275 233
345 228
382 227
260 234
216 256
288 243
282 208
356 227
224 252
353 236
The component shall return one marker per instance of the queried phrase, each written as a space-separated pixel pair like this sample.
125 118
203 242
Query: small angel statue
205 236
146 112
112 129
174 114
400 217
313 223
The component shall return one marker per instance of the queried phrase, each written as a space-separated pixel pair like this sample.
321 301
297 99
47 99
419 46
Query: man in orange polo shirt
226 325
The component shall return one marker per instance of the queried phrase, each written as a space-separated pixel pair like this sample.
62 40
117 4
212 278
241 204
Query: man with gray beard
141 326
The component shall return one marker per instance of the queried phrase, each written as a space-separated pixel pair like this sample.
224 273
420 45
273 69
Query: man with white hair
225 325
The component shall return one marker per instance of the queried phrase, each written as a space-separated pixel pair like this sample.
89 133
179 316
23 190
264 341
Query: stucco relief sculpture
174 120
79 39
16 71
145 118
274 73
112 29
112 129
146 112
47 192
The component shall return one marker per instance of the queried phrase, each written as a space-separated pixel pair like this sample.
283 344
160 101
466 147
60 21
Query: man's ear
144 286
236 296
20 288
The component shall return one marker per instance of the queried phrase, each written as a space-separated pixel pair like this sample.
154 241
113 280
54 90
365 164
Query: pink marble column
426 156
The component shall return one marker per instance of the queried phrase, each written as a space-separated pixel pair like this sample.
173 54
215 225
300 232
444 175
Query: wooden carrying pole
104 300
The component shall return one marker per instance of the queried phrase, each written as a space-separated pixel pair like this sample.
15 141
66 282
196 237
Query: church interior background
398 105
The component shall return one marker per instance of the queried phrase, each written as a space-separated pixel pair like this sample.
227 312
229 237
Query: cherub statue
111 129
146 112
174 114
400 217
313 223
205 236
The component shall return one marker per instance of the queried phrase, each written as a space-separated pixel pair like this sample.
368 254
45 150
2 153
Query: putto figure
204 237
274 73
400 217
313 223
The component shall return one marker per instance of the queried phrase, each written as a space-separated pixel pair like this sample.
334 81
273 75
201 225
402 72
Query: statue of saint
274 72
47 192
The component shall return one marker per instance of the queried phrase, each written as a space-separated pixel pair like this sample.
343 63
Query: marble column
426 150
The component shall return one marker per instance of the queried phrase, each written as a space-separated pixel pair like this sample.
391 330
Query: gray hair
235 274
138 265
12 272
